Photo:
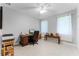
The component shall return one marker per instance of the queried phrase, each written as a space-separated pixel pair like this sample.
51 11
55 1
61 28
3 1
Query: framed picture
0 17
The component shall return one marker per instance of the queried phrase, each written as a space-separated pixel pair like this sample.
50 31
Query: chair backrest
36 35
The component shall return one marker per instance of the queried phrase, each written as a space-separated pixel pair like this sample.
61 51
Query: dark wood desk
24 40
53 36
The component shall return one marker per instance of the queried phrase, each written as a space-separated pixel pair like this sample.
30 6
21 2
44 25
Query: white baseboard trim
69 43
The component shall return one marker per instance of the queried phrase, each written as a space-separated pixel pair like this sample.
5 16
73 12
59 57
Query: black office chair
34 39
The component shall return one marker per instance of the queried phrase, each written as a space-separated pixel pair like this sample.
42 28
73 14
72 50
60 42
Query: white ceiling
31 9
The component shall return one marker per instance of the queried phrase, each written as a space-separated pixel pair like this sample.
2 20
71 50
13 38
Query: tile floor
47 48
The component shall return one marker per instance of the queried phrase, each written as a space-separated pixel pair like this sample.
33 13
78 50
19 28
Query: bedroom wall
77 31
52 25
71 38
16 22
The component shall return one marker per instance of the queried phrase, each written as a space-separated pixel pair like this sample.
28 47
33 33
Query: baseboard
69 43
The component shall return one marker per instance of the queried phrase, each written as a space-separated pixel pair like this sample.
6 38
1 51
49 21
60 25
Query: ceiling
31 9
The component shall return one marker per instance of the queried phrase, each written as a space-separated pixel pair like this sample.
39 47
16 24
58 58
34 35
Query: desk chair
34 39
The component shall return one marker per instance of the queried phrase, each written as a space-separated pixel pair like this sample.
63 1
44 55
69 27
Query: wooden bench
51 35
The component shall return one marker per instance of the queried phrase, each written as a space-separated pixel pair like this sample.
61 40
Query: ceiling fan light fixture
42 8
43 11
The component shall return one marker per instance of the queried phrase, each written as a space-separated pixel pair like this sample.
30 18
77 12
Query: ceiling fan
41 7
37 5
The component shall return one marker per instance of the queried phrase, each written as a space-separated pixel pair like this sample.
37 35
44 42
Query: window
64 25
44 26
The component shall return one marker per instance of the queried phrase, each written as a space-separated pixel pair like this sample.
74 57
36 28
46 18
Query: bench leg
58 40
45 37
